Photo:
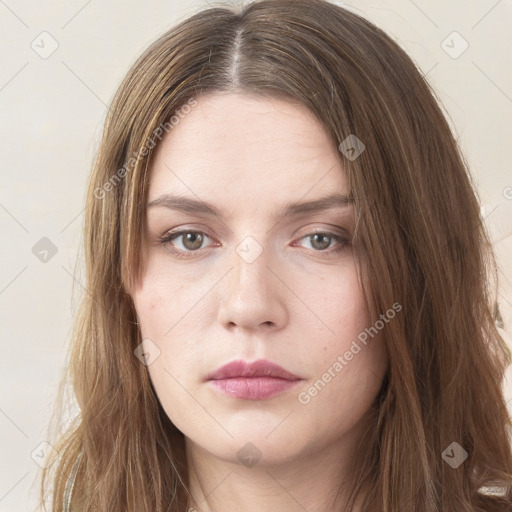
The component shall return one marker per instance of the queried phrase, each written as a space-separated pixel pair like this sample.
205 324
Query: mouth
258 380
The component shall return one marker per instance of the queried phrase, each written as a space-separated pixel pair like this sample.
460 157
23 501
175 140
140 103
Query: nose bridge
250 270
251 296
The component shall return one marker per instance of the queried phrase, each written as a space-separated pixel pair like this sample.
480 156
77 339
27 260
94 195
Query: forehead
238 147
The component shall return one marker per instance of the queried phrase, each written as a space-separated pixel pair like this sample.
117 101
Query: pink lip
252 381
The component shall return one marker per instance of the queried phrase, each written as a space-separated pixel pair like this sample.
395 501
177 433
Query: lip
256 380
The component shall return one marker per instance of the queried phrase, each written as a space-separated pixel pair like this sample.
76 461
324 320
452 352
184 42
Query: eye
322 240
191 241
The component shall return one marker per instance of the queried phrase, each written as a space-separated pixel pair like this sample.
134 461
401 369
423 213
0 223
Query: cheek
160 302
149 306
169 312
350 360
344 312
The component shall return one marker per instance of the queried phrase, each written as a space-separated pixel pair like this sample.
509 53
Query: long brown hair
420 239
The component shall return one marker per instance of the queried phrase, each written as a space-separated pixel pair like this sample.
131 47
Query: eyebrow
190 205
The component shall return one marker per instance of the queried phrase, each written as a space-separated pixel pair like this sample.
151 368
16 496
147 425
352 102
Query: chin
252 444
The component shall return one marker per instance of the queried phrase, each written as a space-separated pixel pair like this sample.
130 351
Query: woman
289 299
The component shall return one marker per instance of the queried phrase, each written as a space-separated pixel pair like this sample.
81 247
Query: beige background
52 111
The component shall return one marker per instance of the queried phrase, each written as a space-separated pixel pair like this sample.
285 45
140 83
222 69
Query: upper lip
260 368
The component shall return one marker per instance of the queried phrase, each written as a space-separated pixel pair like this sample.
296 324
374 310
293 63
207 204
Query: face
253 281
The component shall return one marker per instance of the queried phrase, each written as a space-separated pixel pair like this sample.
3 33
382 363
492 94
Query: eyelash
167 238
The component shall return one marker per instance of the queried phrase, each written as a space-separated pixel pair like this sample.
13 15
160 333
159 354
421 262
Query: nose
253 295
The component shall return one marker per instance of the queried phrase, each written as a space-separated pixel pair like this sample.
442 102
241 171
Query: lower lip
253 388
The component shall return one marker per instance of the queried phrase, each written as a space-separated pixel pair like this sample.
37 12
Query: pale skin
299 304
